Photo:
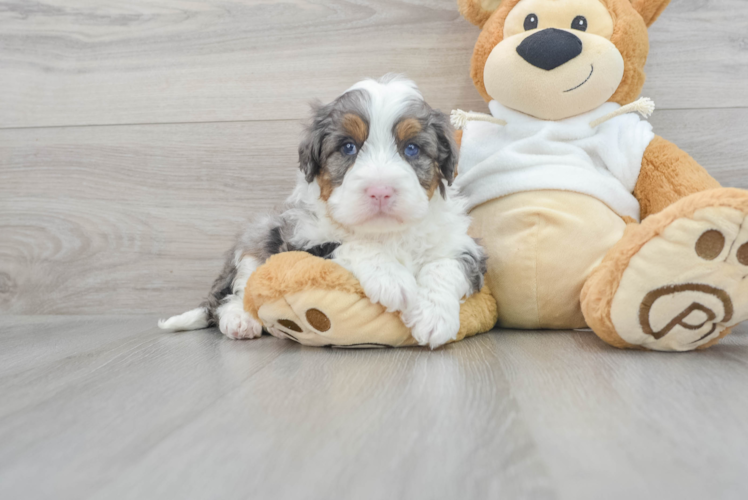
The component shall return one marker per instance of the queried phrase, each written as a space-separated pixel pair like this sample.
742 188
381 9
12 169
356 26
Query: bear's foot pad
680 280
329 318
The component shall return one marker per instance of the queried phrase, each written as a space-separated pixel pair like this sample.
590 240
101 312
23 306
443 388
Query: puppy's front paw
238 324
394 295
433 325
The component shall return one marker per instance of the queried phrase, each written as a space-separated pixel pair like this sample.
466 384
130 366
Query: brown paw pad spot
287 323
318 320
743 254
710 245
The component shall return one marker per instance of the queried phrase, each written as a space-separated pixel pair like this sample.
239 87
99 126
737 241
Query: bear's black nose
550 48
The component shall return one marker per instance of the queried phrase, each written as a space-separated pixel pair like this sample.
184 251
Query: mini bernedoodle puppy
374 195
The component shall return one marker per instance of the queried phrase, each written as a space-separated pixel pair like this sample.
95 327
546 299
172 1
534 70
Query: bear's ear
477 11
650 10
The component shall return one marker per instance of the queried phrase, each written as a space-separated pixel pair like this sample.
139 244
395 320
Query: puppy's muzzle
380 196
550 48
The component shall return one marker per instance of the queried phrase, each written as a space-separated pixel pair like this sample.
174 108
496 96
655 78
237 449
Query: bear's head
554 59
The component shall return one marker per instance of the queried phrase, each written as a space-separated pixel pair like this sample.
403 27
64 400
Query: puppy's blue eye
349 149
412 150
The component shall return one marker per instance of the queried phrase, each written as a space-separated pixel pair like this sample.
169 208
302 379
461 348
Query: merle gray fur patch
474 266
439 154
261 240
320 148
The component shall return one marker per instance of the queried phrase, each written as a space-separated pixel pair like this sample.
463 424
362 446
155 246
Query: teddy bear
588 218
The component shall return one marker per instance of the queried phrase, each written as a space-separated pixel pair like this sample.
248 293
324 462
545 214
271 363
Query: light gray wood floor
135 137
109 407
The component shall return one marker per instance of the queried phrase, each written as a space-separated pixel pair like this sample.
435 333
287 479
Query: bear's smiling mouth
592 70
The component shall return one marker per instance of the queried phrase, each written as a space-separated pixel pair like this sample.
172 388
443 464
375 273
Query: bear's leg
679 280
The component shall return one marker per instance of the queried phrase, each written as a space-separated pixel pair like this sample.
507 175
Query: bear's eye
579 23
531 22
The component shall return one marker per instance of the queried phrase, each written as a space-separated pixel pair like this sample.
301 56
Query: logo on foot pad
647 316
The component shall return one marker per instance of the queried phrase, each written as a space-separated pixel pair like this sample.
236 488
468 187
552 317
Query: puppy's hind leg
233 320
225 304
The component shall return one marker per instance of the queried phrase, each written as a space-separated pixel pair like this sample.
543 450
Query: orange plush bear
588 218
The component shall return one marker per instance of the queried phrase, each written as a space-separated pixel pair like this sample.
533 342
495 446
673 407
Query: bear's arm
667 175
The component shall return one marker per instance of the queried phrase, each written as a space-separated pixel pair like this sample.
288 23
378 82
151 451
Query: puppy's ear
447 152
310 149
650 10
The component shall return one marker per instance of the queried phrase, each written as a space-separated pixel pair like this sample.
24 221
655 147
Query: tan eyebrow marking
356 127
407 128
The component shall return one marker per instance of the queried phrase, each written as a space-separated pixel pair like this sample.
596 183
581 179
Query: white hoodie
529 154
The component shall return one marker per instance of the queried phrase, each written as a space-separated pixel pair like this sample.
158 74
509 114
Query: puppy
374 195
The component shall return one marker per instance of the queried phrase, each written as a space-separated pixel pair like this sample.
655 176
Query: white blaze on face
381 191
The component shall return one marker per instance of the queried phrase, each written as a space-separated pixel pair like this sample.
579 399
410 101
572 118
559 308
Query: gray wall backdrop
136 136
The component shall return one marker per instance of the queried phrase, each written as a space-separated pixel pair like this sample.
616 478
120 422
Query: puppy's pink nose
380 194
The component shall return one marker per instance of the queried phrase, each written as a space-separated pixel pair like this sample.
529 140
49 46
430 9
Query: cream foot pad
677 282
318 303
